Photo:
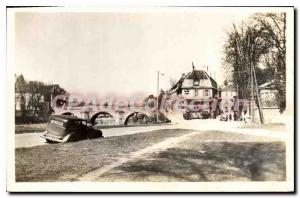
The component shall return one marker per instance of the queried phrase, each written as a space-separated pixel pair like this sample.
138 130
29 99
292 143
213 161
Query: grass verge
67 161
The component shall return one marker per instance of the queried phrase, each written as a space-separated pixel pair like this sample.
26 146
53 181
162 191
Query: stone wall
271 115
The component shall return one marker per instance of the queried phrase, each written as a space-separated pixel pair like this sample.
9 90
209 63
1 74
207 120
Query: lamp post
252 96
157 107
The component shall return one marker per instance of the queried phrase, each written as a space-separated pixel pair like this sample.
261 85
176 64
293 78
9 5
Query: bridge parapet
120 115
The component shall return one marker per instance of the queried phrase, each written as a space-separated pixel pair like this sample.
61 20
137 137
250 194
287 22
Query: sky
120 52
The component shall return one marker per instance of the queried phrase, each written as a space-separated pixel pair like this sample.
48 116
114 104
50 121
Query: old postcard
169 99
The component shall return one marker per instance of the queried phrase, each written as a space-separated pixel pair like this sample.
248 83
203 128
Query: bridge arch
137 117
103 113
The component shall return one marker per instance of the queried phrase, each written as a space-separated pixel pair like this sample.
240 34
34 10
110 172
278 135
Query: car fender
66 138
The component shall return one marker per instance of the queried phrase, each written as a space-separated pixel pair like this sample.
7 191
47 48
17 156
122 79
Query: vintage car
65 128
188 115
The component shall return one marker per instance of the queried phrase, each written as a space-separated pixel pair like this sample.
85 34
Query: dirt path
171 142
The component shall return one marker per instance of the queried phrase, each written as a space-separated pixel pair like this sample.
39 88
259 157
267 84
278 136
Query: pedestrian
230 117
245 121
242 117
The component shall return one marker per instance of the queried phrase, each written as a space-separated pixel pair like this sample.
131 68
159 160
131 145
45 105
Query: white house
195 85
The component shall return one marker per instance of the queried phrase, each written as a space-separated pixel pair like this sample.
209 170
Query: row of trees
33 99
259 42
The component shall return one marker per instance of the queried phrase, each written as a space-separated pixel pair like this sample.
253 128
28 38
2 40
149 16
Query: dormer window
186 91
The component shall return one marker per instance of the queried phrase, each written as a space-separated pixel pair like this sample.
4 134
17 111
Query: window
206 92
196 82
186 91
75 122
196 93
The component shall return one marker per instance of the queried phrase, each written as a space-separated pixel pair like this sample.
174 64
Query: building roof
197 75
201 74
177 85
194 75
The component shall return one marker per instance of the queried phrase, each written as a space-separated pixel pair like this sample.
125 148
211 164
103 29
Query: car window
56 122
75 123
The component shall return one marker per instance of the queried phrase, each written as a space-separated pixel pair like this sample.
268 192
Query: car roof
65 118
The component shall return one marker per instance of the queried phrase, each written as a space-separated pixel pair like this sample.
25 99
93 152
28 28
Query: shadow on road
218 161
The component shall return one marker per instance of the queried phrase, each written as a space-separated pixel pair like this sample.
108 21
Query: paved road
231 127
34 139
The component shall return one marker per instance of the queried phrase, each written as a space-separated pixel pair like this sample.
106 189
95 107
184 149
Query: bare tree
20 94
260 41
243 48
35 89
225 83
273 26
33 96
173 82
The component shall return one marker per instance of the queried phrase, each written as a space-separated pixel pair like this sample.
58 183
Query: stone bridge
115 115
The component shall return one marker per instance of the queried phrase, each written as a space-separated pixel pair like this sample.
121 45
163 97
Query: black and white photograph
150 99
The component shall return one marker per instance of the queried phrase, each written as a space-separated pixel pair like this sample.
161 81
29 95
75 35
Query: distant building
228 92
269 104
268 94
195 85
198 91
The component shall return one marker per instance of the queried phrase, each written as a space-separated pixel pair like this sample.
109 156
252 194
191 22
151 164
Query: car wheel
186 116
98 134
70 138
93 133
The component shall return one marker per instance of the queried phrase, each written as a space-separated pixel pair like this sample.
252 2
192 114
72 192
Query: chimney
182 75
